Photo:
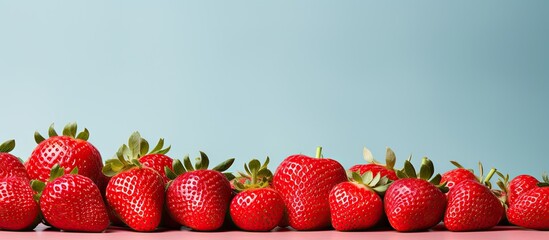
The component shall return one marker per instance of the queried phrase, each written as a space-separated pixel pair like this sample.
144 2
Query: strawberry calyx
390 158
503 184
201 163
545 182
128 156
256 176
376 183
426 172
56 172
7 146
70 130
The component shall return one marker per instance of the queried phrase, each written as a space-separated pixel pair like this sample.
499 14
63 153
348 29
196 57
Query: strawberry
518 186
257 206
386 170
413 203
457 175
197 197
356 205
156 158
18 210
472 206
11 166
69 151
72 202
305 183
531 208
135 193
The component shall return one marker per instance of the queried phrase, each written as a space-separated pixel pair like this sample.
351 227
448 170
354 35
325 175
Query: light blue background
466 80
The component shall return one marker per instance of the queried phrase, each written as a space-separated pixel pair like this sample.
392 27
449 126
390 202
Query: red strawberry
69 151
457 175
356 205
412 203
11 166
18 210
305 183
531 209
472 207
198 198
72 202
375 167
520 185
257 207
135 193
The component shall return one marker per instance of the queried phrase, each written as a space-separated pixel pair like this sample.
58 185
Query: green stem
490 174
318 152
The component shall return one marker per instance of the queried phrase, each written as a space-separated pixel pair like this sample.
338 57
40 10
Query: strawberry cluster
65 185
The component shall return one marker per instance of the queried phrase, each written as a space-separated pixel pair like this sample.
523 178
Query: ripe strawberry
135 193
18 210
375 167
456 176
72 202
520 185
156 158
413 203
356 205
197 197
531 209
69 151
257 206
11 166
472 206
305 183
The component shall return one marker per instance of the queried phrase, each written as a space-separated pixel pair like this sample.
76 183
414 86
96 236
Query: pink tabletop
500 233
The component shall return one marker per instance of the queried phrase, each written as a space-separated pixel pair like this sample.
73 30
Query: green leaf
367 177
264 173
375 180
381 188
409 170
159 146
254 166
187 162
247 169
427 169
126 153
178 167
204 160
266 163
456 164
51 131
401 174
134 144
229 176
70 130
367 154
143 148
116 164
38 186
84 135
38 137
74 171
136 163
7 146
436 180
224 165
165 150
107 170
169 173
356 177
56 171
390 158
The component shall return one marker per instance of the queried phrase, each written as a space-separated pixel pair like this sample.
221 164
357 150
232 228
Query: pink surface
499 233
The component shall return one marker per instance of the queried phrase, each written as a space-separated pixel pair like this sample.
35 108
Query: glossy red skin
158 162
137 198
305 183
10 166
18 210
257 209
199 199
73 203
375 169
531 209
68 152
456 176
413 204
354 207
472 207
520 185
